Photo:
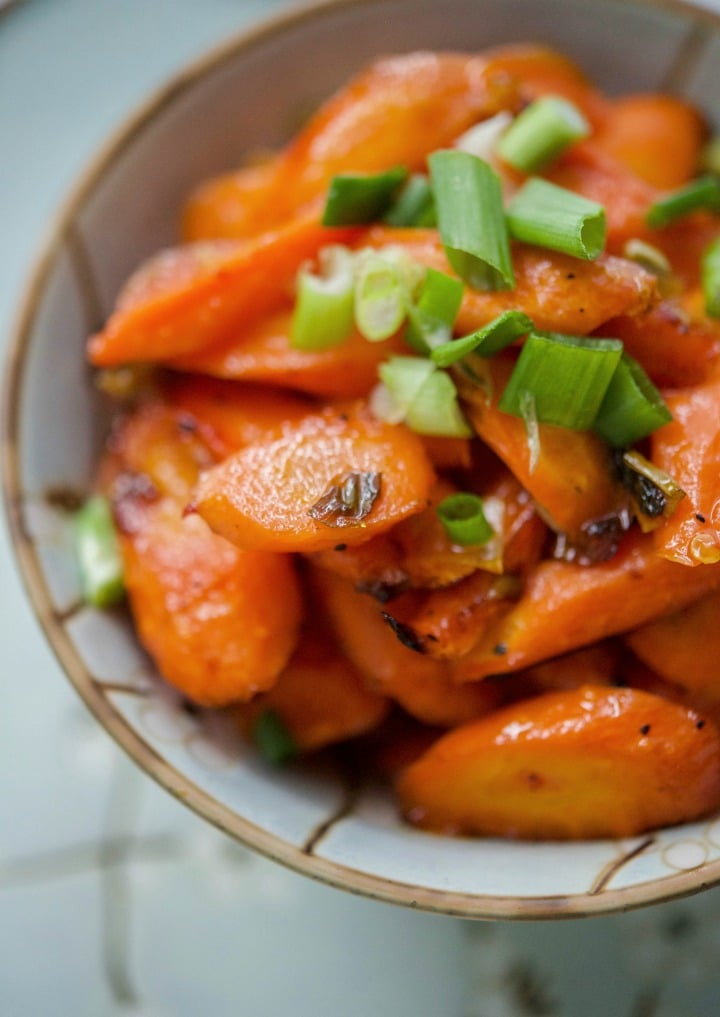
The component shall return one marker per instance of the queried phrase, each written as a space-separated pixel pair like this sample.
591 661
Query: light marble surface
113 898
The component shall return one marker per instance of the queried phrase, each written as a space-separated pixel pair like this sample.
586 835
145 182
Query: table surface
114 899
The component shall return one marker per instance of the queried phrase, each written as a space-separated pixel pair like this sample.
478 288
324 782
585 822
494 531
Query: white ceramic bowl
246 95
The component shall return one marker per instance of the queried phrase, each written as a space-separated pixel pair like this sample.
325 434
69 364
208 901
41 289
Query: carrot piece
585 763
188 299
232 205
565 606
320 696
599 664
676 344
572 481
448 453
220 623
230 415
684 648
421 685
688 448
262 496
262 352
658 137
559 293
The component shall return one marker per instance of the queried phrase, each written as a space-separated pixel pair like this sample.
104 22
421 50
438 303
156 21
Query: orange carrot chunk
279 495
585 763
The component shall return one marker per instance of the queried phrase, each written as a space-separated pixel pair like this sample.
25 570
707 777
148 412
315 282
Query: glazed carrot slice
267 496
233 205
559 293
262 352
659 137
190 298
585 763
572 481
220 623
565 606
320 696
421 685
688 448
684 648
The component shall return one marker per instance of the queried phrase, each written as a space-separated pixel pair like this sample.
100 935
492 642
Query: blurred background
114 899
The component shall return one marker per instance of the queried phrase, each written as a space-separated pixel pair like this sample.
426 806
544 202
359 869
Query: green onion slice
486 341
416 392
632 407
381 296
567 378
710 277
541 132
270 734
354 199
98 554
549 216
432 316
471 220
481 139
323 315
528 412
414 205
702 193
463 519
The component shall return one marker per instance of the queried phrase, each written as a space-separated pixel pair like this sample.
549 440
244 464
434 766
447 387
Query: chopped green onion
655 494
632 407
354 199
323 315
432 316
528 413
98 554
703 193
487 341
710 276
566 377
649 257
471 220
421 395
381 297
414 205
463 519
481 139
541 132
270 734
549 216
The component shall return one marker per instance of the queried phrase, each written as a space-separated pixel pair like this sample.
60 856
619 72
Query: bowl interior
252 94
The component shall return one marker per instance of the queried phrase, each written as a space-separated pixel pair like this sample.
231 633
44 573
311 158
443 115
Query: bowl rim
453 903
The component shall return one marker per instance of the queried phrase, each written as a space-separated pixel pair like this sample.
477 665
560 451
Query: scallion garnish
632 407
323 315
381 296
649 257
98 554
354 199
432 316
487 341
414 205
702 193
425 398
710 277
567 378
463 519
471 219
270 734
541 132
549 216
481 139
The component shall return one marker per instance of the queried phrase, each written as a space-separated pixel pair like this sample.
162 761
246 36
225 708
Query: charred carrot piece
688 449
188 299
207 613
338 476
584 763
565 606
421 685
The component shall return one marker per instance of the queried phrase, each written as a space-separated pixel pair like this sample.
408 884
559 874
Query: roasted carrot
279 495
688 449
209 614
232 206
585 763
565 606
424 687
190 298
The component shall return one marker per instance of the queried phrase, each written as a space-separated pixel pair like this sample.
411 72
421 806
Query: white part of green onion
381 297
481 139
